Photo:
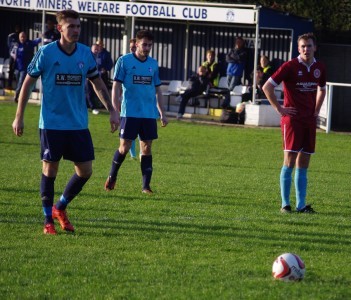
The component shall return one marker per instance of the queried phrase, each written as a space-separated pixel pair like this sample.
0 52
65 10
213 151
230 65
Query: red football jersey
300 86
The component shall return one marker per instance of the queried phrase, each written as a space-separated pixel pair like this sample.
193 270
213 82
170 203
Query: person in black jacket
198 84
51 34
12 44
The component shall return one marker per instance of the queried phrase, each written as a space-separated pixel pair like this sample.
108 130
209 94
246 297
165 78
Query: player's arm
116 95
160 106
27 87
268 89
319 99
104 96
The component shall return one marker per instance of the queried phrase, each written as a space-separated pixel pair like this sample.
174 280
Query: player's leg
132 151
78 148
290 155
118 159
140 152
47 191
302 164
146 165
128 133
147 135
286 179
83 171
51 152
301 180
184 101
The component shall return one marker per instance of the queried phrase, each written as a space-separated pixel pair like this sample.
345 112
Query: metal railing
329 100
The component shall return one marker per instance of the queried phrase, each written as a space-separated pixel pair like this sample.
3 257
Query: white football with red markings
288 267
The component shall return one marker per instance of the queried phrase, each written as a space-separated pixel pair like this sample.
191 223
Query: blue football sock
73 187
132 150
47 196
285 184
146 170
300 187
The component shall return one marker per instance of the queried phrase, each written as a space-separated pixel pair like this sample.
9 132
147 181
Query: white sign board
146 10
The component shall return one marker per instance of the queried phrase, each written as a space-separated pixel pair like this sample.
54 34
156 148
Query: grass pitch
211 230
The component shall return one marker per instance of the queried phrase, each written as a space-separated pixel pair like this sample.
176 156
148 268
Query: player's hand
164 121
18 127
114 120
287 111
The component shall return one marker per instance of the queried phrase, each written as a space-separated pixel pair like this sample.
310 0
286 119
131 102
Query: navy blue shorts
74 145
130 128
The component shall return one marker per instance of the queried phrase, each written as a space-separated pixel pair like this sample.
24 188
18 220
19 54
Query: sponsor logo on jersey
68 79
137 79
306 86
81 65
299 73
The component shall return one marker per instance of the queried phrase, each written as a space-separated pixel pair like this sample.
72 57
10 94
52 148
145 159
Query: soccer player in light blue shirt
136 78
64 67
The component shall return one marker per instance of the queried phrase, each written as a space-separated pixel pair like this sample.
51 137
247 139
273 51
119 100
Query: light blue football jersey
139 81
63 78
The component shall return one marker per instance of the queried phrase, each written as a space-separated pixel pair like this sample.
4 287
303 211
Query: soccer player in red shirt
304 82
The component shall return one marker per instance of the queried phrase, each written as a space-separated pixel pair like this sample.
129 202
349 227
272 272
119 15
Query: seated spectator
198 84
212 67
266 66
264 71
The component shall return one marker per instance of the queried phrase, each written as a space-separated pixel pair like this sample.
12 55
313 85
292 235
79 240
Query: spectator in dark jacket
51 34
198 84
104 62
12 44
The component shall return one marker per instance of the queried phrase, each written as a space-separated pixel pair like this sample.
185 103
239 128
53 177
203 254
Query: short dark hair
64 14
132 40
141 34
307 36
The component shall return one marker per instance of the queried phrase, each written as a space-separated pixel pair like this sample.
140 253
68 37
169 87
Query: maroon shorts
298 136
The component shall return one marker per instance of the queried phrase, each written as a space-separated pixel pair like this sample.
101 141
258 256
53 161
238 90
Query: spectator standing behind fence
51 34
104 62
198 84
24 55
63 67
12 44
142 103
213 68
304 81
236 59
